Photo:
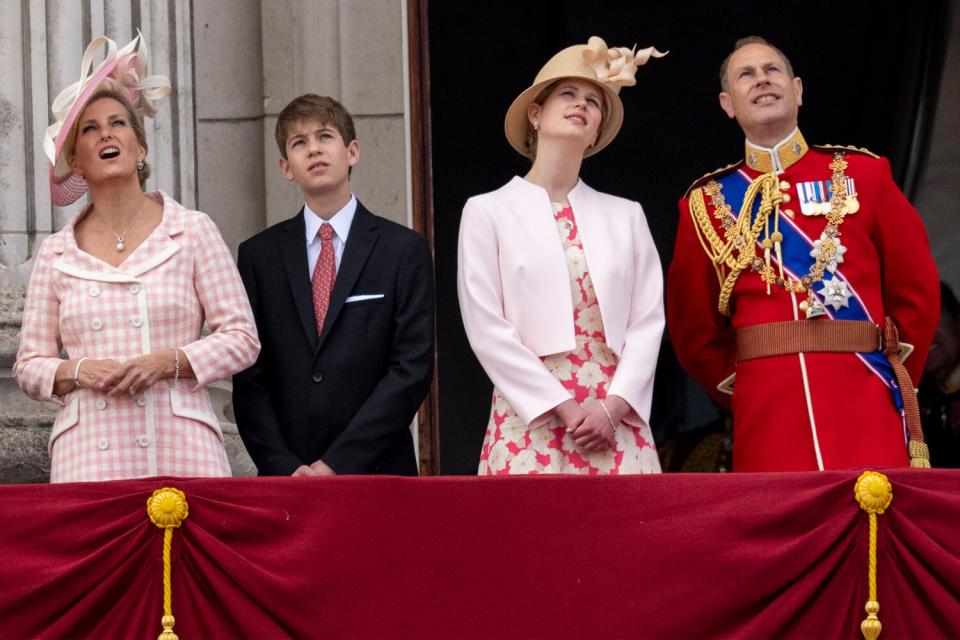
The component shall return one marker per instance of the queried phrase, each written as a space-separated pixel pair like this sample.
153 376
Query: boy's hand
304 471
320 468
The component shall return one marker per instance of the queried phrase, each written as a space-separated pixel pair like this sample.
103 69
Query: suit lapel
293 252
360 242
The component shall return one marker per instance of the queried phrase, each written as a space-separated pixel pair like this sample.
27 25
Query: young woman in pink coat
560 285
124 288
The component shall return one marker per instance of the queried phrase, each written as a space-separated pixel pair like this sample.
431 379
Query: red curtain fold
671 556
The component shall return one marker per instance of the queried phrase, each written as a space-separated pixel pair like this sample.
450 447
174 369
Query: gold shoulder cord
705 231
730 256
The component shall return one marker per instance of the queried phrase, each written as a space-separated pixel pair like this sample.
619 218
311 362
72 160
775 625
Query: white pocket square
363 296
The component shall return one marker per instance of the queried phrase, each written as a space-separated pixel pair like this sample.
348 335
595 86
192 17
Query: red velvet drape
678 556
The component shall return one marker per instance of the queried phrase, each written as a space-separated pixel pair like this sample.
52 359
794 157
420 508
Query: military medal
836 293
816 198
812 306
832 249
737 249
840 199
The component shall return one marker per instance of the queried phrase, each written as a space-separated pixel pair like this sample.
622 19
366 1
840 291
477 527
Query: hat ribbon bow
618 65
125 77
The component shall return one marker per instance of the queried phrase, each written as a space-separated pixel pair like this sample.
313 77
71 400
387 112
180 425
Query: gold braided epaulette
849 147
711 174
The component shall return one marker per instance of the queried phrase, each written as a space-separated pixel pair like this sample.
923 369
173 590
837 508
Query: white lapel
156 249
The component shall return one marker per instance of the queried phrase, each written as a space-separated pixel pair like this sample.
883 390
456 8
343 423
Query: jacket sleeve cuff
39 378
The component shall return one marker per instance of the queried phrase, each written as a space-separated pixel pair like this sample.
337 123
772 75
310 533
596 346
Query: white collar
340 221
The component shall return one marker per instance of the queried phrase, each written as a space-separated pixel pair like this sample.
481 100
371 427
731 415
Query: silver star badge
837 257
836 293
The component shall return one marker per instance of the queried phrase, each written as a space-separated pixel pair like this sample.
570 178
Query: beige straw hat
607 68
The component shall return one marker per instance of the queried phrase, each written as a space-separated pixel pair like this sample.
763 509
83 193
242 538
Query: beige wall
352 51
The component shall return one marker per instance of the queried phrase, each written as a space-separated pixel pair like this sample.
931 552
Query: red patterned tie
324 275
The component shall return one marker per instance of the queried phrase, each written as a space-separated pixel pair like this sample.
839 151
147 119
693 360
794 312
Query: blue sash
796 248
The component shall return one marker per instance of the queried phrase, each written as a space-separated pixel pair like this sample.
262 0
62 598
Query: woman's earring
140 165
536 125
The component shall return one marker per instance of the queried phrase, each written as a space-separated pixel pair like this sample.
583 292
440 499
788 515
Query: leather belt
840 336
807 336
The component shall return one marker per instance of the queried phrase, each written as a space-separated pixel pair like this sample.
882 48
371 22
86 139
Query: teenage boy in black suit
344 304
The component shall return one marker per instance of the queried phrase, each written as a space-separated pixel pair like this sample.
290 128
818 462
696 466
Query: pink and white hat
123 70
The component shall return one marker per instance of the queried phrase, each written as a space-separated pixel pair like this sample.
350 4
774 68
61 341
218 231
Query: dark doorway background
870 71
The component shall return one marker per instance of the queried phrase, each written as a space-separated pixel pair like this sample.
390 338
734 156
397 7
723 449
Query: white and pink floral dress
511 447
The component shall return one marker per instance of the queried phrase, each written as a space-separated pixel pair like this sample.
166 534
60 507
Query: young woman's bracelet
609 418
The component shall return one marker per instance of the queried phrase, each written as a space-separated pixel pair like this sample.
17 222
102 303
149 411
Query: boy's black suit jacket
348 395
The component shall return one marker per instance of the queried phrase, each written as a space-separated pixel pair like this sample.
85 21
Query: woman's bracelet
609 417
76 373
176 365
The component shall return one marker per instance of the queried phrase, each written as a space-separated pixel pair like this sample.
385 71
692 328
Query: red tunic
816 410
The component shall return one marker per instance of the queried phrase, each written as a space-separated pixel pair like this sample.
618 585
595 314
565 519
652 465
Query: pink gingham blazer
156 299
515 298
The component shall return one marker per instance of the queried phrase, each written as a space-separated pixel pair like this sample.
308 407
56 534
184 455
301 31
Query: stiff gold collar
784 154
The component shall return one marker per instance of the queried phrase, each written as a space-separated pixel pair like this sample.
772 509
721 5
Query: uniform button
787 198
101 403
94 291
136 322
141 401
784 185
317 376
143 441
96 324
789 213
103 444
134 288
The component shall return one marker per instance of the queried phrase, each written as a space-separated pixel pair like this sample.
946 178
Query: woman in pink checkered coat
124 289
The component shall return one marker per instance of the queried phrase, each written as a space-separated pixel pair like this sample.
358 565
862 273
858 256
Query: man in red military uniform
785 265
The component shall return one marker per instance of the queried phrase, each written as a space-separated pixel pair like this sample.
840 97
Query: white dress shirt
340 221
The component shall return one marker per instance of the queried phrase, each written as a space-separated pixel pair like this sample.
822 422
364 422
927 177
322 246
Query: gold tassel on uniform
874 493
167 509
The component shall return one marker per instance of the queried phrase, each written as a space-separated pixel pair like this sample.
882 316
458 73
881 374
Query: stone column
351 50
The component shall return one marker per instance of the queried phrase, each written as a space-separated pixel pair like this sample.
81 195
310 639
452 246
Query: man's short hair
310 106
739 44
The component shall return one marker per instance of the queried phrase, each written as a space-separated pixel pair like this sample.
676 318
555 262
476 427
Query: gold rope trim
874 493
705 231
743 235
167 508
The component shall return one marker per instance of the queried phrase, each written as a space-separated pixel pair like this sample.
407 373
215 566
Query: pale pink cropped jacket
515 298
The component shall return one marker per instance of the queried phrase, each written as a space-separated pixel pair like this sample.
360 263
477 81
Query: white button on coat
103 444
101 403
141 401
143 441
136 322
134 288
96 324
94 291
